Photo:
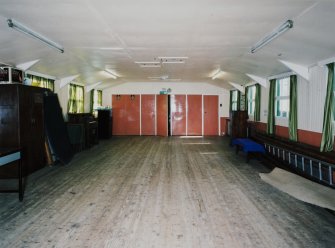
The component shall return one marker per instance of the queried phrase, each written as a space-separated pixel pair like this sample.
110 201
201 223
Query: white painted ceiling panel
213 34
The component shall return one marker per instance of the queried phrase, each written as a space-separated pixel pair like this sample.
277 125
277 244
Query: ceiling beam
326 61
238 87
65 81
260 80
299 69
25 66
92 86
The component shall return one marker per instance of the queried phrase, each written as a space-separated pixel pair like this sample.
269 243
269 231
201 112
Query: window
251 99
282 97
42 82
234 99
97 101
76 99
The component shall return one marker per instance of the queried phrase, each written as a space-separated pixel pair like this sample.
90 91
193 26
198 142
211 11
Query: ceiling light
112 48
172 60
21 28
165 78
148 64
111 73
168 58
217 74
271 36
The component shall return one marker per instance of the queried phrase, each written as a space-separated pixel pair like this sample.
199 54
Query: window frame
234 102
251 100
279 97
97 101
78 103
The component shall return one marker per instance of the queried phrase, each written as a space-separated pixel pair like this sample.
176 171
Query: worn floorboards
159 192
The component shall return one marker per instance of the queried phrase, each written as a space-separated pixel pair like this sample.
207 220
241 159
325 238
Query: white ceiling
213 34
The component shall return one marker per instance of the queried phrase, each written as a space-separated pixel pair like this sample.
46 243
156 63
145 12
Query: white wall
264 104
311 97
176 88
312 102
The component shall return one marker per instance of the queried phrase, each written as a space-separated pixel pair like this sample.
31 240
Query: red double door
194 115
134 114
148 115
126 114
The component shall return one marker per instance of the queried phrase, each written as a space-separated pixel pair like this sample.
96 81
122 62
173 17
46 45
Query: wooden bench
248 146
9 155
302 159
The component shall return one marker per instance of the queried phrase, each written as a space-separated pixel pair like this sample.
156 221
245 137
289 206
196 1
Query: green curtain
80 99
92 101
271 108
230 101
327 141
293 118
72 105
246 99
257 114
42 82
238 100
99 98
76 99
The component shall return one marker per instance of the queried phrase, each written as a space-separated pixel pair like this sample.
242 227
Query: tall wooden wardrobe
22 125
239 124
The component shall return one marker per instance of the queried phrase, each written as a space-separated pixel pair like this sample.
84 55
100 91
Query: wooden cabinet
90 127
104 123
239 125
22 125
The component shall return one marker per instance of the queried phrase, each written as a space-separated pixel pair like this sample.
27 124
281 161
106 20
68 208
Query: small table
8 155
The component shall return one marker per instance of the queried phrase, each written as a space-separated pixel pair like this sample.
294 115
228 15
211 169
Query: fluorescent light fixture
148 64
112 48
165 78
172 60
271 36
21 28
217 74
111 73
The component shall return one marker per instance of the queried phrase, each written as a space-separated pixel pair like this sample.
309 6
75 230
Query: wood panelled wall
194 119
304 136
148 114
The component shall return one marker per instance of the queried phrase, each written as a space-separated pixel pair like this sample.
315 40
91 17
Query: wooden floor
159 192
